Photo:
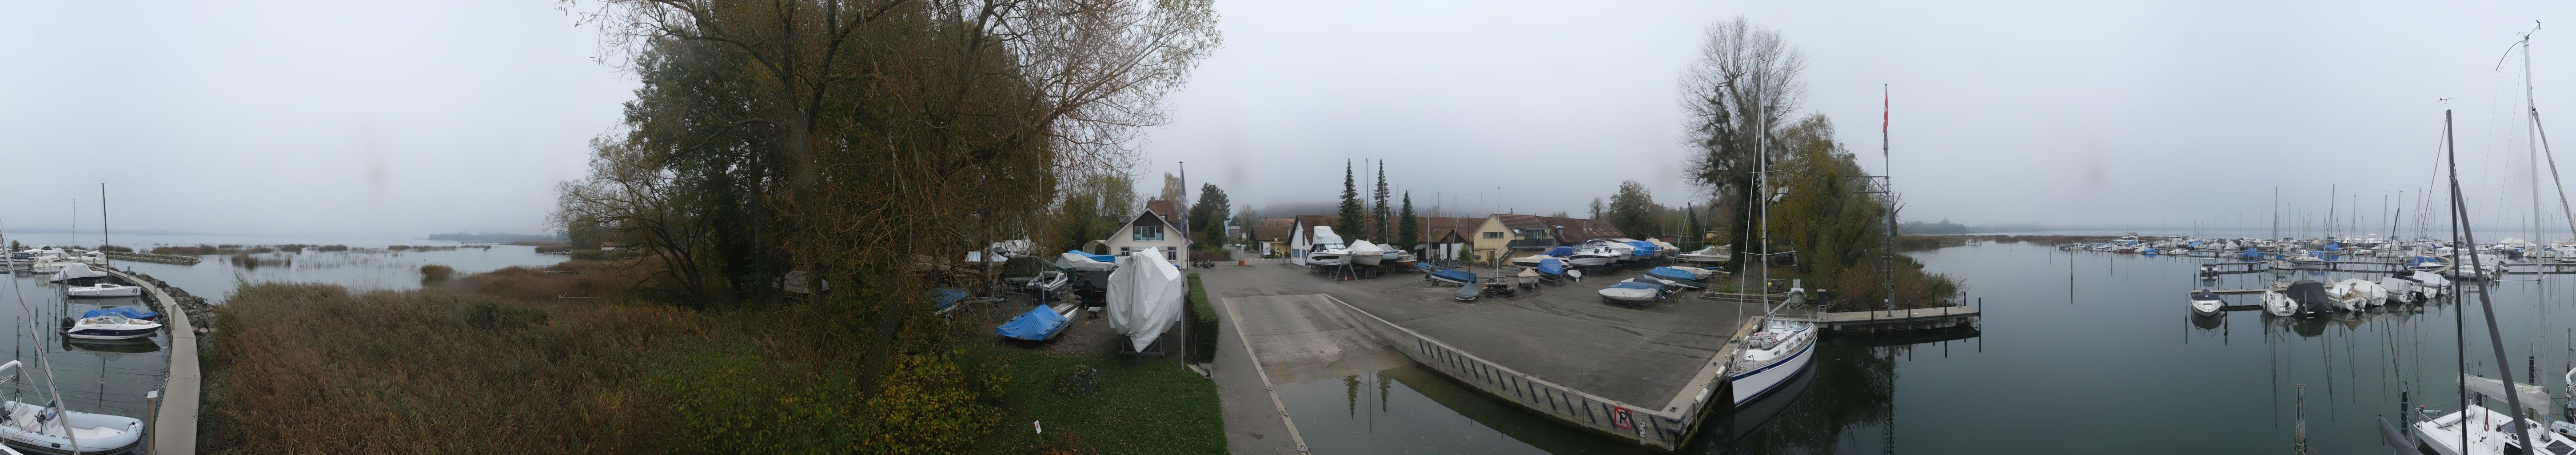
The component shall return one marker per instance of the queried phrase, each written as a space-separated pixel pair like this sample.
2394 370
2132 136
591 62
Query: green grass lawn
1156 406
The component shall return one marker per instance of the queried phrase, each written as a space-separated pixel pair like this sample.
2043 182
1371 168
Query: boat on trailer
1632 293
1451 276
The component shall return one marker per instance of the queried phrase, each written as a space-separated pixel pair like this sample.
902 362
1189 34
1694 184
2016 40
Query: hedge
1202 319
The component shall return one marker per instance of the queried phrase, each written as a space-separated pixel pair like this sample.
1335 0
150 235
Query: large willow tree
856 139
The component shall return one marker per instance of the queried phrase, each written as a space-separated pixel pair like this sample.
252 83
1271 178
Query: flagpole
1887 165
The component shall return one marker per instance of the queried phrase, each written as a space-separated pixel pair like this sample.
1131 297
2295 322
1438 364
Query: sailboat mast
2512 395
102 225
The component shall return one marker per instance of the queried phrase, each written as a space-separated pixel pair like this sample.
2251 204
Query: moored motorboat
104 289
52 429
2205 302
2358 294
127 311
2311 298
109 327
75 272
2401 288
2279 304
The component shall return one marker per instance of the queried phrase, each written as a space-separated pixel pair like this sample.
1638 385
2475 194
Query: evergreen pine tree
1380 212
1409 231
1351 218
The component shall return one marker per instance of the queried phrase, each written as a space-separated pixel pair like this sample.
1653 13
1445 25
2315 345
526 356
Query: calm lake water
2080 352
112 377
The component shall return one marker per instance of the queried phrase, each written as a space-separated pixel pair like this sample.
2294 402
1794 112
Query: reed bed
498 362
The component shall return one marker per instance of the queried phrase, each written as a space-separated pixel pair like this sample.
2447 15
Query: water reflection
109 377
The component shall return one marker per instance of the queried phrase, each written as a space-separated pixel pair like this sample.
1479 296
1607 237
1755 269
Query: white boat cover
1078 261
1364 248
1145 297
77 271
2532 396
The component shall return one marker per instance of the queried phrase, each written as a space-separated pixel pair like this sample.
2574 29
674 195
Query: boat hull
110 334
1589 261
1327 259
123 291
1761 381
2205 307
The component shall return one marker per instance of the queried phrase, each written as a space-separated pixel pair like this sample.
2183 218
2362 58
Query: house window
1494 235
1149 233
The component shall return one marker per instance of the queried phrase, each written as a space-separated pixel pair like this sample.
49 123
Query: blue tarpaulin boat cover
1038 324
943 297
1095 257
2250 254
1644 248
1561 251
1670 273
1454 276
2334 246
127 311
2421 261
1551 266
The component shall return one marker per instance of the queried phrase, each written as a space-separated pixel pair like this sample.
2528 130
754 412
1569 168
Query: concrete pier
173 428
1642 374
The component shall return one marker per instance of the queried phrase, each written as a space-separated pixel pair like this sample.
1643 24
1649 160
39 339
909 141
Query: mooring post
2301 407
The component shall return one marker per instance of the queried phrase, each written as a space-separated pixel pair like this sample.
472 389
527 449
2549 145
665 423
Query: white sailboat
1782 349
2488 431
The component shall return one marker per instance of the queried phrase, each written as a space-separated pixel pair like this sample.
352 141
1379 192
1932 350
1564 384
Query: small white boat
1328 250
45 429
2278 304
1365 253
1714 254
77 271
110 327
2205 302
2431 284
1632 293
1531 260
105 289
2358 294
2401 289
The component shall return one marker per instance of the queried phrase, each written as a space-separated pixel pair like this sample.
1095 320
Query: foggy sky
2063 113
409 118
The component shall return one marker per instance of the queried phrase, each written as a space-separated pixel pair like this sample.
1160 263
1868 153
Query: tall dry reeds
312 369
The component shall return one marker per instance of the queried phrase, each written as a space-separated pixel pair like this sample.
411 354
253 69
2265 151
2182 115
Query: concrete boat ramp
1643 374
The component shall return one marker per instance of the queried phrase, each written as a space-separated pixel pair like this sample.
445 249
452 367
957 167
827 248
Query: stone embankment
149 257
